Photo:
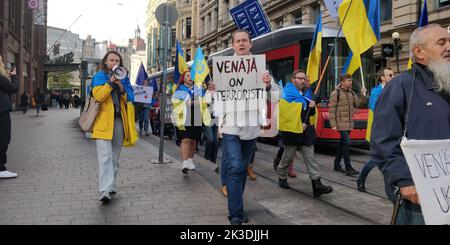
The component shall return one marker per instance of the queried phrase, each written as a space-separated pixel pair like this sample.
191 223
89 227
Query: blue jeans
343 150
237 154
143 119
211 145
371 164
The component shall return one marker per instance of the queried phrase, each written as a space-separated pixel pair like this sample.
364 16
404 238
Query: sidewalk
58 181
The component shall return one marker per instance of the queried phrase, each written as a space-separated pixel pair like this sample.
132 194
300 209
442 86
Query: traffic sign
251 17
33 4
166 12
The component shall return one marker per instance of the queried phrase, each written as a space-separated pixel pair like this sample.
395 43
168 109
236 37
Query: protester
114 125
385 75
342 108
239 142
425 90
144 114
24 102
39 99
8 86
190 113
297 132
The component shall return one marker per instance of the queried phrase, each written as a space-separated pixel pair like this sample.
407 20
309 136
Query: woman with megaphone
114 125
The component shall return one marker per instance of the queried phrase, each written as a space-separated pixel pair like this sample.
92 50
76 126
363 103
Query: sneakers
7 175
185 168
105 197
224 191
236 221
191 164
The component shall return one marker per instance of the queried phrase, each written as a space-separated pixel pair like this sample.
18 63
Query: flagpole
332 50
362 77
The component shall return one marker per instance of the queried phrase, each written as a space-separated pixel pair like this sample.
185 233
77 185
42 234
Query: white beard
441 71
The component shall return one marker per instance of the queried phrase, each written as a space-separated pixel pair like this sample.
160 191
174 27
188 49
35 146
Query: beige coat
342 107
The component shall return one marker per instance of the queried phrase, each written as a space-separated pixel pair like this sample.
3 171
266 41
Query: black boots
283 183
319 188
350 171
338 168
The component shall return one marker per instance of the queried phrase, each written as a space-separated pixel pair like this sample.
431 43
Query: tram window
282 69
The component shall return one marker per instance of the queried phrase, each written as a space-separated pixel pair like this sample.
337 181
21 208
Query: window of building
183 30
443 3
188 27
385 10
209 23
297 16
188 55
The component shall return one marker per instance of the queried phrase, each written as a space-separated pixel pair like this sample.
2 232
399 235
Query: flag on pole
423 21
357 27
141 76
352 64
180 64
315 53
199 69
154 84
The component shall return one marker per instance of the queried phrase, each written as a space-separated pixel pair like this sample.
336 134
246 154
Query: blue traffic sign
250 16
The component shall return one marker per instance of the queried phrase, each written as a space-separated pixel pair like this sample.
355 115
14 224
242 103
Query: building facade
61 42
23 42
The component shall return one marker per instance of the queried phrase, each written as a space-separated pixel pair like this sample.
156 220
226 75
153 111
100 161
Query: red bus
287 49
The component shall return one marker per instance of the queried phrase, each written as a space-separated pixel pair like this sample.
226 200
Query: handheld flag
180 64
352 64
315 53
376 92
290 110
141 76
154 84
423 21
200 69
356 25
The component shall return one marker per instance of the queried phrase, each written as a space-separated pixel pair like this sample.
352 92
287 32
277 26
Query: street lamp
397 48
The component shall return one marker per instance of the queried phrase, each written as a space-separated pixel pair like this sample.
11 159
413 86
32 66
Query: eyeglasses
300 78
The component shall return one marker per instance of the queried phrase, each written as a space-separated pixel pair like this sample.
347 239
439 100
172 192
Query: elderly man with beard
425 89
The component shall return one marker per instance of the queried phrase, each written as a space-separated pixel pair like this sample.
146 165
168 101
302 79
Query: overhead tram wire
62 35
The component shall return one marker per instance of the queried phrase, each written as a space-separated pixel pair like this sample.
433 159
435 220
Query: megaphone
120 72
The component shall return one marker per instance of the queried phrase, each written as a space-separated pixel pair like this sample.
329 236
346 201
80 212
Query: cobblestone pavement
58 181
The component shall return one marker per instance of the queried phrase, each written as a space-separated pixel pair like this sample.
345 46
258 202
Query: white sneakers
7 175
191 164
188 165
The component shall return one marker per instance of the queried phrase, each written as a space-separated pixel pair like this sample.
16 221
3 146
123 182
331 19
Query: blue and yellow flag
315 53
374 95
199 69
290 110
180 64
352 64
357 27
423 21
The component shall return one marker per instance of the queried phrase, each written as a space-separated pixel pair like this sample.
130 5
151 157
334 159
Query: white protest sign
143 94
239 85
333 6
429 163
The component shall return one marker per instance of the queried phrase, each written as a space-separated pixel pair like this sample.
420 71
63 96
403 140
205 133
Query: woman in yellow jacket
114 125
190 112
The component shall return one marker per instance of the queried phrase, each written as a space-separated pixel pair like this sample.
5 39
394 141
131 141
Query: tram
286 50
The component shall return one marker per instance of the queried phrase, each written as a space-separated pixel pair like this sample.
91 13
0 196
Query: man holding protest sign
414 105
240 103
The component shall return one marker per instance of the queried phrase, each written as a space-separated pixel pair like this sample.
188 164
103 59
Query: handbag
89 114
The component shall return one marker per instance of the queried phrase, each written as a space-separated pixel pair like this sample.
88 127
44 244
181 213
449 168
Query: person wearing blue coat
425 90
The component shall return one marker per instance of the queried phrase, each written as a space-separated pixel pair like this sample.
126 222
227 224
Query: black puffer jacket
7 88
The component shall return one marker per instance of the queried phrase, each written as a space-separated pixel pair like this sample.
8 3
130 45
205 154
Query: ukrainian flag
360 32
422 22
352 64
315 53
290 110
376 92
200 69
180 64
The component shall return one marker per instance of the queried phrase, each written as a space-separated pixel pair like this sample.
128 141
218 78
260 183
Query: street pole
397 51
167 16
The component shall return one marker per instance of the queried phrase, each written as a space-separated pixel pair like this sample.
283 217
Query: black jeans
5 138
343 150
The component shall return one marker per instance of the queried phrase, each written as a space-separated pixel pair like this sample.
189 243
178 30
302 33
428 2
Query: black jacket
7 88
307 137
429 119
